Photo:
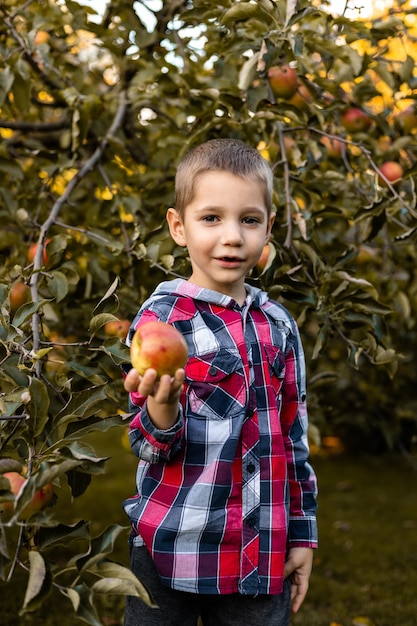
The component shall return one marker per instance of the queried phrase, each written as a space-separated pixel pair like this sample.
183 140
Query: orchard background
95 112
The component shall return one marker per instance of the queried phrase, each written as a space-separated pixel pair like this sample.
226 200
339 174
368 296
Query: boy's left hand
298 568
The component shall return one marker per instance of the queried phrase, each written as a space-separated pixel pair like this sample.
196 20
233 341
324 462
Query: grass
365 570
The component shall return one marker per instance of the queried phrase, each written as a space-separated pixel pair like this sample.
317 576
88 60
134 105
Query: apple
117 328
18 295
355 120
392 171
41 37
283 80
263 258
406 120
159 346
39 502
332 145
32 252
301 98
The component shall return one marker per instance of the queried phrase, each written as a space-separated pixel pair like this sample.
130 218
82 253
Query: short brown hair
228 155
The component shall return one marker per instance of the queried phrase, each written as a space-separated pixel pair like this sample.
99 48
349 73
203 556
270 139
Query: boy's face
225 228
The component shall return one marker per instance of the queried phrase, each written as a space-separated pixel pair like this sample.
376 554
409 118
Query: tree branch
82 172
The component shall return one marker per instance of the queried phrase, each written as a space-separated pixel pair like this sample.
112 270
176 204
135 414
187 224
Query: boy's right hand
163 394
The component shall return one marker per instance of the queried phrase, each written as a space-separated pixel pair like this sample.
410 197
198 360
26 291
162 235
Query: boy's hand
163 394
298 568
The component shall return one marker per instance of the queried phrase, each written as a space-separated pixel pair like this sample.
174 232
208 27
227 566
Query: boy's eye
250 220
209 218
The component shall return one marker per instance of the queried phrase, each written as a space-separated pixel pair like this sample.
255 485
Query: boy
223 522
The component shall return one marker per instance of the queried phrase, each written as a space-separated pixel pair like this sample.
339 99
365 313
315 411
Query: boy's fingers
131 381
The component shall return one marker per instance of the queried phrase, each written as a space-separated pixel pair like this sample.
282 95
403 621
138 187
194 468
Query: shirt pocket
276 363
215 385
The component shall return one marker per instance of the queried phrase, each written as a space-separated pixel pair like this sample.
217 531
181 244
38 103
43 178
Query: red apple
32 252
332 145
159 346
392 171
117 328
355 120
18 295
39 502
283 80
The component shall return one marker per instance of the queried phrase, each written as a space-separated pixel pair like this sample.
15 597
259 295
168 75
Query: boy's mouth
230 260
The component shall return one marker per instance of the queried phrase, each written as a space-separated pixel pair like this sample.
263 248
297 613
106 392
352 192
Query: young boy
223 522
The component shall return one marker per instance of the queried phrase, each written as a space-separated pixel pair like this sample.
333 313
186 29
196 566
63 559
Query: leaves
39 584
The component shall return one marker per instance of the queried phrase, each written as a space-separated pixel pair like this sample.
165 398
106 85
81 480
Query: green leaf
84 403
12 168
38 406
119 579
26 311
244 11
6 82
39 584
78 429
57 284
62 534
82 601
100 547
98 321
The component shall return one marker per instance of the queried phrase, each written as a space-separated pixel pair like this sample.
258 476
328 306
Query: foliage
96 111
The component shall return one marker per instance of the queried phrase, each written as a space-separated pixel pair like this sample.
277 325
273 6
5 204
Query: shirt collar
255 297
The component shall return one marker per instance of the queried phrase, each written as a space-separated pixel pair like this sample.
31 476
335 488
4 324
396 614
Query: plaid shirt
223 493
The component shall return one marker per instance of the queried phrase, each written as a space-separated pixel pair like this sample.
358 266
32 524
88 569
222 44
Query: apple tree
95 112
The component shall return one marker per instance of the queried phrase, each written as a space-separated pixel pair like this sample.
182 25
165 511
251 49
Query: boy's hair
227 155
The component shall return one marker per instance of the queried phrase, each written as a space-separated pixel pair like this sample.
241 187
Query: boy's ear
176 227
269 229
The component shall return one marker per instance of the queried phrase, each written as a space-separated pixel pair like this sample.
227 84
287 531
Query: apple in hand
39 502
159 346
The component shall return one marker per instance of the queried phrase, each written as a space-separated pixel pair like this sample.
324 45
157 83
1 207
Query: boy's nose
232 234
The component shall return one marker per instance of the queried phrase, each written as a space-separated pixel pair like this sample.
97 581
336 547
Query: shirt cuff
160 438
302 532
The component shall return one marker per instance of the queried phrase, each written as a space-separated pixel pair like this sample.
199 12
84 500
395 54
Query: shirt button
251 468
303 397
251 521
212 371
250 412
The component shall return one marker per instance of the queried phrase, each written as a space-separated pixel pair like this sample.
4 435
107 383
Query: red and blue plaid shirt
223 493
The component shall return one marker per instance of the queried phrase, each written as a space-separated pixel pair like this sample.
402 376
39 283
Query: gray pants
178 608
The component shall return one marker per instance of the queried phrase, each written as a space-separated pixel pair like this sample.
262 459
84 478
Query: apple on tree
159 346
18 295
392 171
42 498
355 120
117 328
283 80
332 145
33 249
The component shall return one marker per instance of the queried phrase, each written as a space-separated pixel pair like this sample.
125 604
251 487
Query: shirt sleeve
302 479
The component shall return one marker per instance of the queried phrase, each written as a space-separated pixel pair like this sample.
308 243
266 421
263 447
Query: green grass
365 567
